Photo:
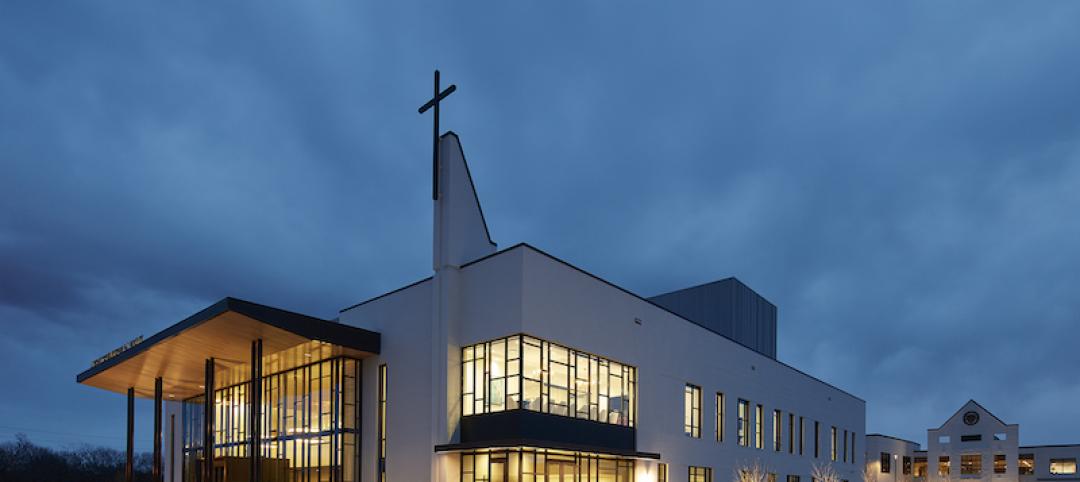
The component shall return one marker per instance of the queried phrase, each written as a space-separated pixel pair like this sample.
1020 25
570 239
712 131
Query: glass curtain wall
309 426
541 465
525 372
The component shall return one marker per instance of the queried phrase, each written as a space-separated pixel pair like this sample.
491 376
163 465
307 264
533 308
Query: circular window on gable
971 418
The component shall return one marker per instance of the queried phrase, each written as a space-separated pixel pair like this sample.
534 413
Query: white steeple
461 234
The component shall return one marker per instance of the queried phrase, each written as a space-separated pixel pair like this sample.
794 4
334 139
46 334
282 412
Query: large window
943 465
308 423
1062 466
719 417
971 464
529 373
537 465
692 410
743 423
999 464
1026 464
778 443
700 474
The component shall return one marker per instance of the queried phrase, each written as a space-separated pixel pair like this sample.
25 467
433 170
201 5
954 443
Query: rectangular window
1001 436
700 474
793 478
971 464
817 439
530 464
661 473
919 470
743 423
907 465
944 439
1062 466
719 417
943 465
999 463
770 477
970 438
759 427
778 424
845 446
832 446
802 438
791 433
1026 464
886 463
523 372
382 423
853 452
692 411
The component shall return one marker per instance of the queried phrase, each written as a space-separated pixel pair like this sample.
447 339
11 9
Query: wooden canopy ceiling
225 332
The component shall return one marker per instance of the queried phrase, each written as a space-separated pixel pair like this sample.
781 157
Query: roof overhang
544 444
225 332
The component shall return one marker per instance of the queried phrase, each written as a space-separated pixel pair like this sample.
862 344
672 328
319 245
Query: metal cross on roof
434 102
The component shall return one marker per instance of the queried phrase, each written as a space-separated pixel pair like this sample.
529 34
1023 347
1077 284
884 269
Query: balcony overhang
224 331
527 428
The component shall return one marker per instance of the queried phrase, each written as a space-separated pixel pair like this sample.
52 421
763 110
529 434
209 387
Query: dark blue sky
901 178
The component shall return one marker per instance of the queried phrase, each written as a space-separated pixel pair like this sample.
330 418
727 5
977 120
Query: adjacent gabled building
973 444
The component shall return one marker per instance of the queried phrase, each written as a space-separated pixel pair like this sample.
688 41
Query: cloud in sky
901 180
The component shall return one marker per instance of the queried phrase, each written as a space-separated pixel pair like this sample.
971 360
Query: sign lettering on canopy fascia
112 354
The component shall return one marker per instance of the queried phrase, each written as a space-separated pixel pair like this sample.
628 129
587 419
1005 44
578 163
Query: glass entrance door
561 471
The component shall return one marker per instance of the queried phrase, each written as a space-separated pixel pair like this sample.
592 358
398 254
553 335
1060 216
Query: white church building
501 366
973 444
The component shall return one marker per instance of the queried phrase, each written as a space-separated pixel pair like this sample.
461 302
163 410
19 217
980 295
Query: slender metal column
255 411
208 423
157 430
129 464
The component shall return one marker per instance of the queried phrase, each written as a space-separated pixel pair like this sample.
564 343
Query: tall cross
434 102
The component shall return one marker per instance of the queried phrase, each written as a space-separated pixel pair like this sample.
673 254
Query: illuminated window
970 464
528 464
919 469
744 413
943 465
719 417
661 473
759 427
523 372
906 467
793 478
1026 464
692 410
382 422
832 446
308 420
700 474
886 463
770 477
999 464
1062 466
777 423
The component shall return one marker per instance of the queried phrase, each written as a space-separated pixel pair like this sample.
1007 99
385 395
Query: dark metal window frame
693 392
586 465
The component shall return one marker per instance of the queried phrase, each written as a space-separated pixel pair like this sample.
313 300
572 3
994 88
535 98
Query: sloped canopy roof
225 331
